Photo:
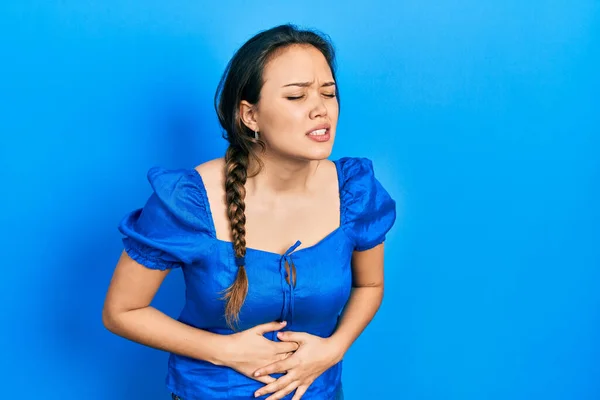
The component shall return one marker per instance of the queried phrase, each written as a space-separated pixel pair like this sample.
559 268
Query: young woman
281 249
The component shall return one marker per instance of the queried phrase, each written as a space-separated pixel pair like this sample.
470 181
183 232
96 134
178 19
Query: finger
300 392
276 367
267 379
274 386
283 356
290 336
283 392
269 327
286 347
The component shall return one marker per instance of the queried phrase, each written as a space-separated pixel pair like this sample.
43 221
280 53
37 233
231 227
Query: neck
280 176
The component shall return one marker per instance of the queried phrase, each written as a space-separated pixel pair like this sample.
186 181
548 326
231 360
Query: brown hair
243 80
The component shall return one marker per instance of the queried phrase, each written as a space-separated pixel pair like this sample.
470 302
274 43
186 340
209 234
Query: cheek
333 108
295 112
286 119
333 113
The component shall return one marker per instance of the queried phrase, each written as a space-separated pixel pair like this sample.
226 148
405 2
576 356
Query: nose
319 108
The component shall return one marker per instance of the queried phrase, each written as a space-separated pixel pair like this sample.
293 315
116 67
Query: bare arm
127 313
365 299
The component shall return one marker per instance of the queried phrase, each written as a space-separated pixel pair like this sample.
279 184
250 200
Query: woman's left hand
314 356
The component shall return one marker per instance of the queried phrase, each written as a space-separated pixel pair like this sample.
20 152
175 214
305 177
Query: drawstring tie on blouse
288 288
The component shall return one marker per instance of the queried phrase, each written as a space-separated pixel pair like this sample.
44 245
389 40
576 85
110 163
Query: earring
256 135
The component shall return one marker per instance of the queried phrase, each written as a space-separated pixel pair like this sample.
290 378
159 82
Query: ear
248 115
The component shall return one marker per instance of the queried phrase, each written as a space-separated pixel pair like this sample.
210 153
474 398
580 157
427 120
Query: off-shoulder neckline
212 228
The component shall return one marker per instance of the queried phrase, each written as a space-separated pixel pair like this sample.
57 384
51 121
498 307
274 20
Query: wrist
220 352
337 349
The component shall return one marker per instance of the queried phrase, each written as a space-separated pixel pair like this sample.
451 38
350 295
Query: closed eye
299 97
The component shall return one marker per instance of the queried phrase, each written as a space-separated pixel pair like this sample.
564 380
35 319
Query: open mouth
319 132
319 135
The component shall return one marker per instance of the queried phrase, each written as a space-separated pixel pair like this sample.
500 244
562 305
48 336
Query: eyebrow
307 84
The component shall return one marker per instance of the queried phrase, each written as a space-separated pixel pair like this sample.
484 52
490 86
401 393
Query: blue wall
481 119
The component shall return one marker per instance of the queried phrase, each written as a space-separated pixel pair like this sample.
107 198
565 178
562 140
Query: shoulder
355 173
351 165
368 209
357 178
212 173
185 182
182 191
164 232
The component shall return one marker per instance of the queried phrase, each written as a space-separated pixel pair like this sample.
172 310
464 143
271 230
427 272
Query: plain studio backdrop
481 118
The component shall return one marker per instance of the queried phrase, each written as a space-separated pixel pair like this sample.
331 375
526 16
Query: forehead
295 64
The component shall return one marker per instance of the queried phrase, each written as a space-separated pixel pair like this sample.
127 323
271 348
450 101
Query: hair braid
236 172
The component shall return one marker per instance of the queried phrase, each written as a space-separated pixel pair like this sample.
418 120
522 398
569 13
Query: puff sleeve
368 210
164 233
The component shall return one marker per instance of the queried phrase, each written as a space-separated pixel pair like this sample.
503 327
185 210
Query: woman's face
286 112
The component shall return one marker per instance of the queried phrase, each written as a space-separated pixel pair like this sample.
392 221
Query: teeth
318 132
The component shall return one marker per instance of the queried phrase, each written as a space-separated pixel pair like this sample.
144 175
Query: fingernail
282 322
256 373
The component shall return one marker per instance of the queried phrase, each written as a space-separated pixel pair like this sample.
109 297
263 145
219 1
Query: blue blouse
175 229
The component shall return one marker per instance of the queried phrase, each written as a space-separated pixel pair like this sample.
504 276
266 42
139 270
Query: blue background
481 119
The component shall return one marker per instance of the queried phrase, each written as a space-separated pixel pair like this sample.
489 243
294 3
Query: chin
319 154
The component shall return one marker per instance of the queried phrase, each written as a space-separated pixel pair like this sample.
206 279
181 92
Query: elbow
110 319
107 319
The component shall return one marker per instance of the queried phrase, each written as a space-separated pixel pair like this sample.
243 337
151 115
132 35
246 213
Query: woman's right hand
248 350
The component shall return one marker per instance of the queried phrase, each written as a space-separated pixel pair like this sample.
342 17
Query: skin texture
294 196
